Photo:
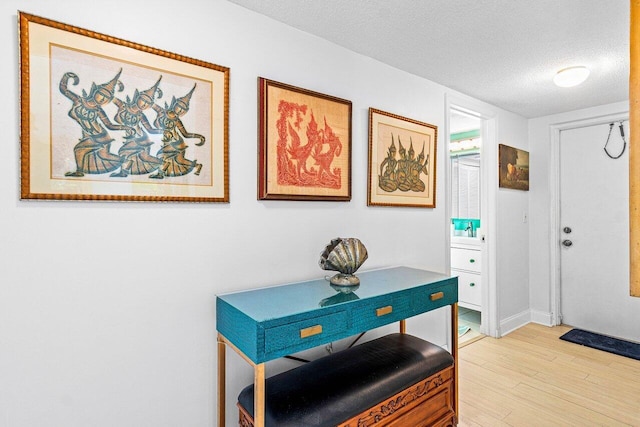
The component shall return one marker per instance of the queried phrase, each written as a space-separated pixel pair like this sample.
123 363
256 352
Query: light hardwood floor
532 378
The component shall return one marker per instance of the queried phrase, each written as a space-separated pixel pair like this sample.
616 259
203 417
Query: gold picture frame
402 161
304 144
93 126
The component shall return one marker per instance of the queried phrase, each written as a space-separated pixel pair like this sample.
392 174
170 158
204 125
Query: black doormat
603 342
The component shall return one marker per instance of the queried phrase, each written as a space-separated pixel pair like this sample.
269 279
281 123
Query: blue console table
268 323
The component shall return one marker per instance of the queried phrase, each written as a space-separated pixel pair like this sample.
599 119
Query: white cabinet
466 263
466 259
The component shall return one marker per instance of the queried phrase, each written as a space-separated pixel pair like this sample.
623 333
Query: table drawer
382 311
466 259
305 333
433 297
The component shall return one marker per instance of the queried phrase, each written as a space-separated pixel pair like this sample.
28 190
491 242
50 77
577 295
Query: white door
594 229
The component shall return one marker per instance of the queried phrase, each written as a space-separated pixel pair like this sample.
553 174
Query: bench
395 380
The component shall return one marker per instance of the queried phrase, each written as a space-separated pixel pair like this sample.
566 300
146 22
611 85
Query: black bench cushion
334 388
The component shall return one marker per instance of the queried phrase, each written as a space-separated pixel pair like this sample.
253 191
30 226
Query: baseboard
512 323
542 318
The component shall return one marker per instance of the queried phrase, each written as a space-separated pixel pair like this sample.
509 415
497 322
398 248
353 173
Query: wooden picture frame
402 161
304 144
513 168
93 126
634 149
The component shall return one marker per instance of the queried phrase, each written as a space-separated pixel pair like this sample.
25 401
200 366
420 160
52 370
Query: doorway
593 230
459 107
465 176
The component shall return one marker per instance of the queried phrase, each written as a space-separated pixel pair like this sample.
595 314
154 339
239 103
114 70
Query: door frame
488 204
554 193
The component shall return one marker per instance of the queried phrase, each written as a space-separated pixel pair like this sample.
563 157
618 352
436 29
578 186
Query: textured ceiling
504 52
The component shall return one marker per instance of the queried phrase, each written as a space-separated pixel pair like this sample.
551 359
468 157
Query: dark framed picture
304 144
402 161
513 169
107 119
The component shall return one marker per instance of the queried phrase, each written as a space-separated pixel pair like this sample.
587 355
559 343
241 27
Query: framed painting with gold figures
304 144
402 161
107 119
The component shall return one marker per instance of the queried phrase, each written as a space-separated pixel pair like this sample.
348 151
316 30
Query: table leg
454 353
403 326
258 395
222 381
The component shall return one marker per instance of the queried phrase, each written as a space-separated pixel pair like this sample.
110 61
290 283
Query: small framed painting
402 161
304 144
107 119
513 168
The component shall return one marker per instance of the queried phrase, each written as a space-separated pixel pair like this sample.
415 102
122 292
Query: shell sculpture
344 255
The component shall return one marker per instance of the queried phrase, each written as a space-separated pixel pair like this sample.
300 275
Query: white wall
513 236
542 202
107 309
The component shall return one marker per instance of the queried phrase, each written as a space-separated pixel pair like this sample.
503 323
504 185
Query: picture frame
402 161
513 168
304 144
634 149
107 119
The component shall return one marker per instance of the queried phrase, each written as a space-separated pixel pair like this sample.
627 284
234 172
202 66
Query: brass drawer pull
383 310
310 331
437 296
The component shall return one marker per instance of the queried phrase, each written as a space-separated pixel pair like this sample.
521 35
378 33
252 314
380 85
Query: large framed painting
402 161
107 119
304 144
513 167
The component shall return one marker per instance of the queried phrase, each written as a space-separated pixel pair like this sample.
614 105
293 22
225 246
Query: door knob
567 242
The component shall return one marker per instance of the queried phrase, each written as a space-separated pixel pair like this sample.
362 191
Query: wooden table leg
258 395
403 326
454 353
222 381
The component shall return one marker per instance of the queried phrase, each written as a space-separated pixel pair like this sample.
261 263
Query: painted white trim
489 184
489 157
542 318
528 316
514 322
554 194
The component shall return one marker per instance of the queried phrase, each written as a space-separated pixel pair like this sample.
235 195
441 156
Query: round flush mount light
571 76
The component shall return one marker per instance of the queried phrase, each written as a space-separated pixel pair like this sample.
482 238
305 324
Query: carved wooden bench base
395 380
427 403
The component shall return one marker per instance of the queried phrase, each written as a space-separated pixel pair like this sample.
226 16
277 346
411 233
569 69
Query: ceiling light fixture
571 76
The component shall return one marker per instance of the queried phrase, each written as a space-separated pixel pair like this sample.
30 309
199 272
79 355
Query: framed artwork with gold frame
107 119
402 161
304 144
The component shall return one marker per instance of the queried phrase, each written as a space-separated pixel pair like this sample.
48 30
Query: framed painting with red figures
304 144
402 161
107 119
